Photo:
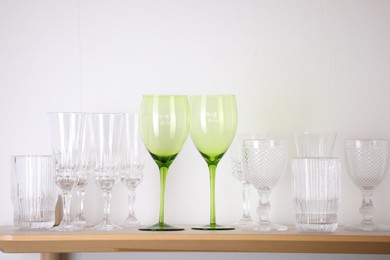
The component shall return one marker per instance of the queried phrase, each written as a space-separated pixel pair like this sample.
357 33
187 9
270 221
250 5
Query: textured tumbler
34 193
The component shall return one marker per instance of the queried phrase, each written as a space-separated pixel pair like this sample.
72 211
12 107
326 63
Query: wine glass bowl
213 122
265 161
164 123
367 162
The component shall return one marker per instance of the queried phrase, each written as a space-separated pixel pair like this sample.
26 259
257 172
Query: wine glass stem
246 200
66 205
107 205
264 209
80 196
367 209
212 170
163 177
131 196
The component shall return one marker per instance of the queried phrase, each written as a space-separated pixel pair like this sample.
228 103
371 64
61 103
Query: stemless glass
133 163
86 167
367 162
314 144
213 126
107 131
316 189
33 191
241 174
66 140
265 161
164 125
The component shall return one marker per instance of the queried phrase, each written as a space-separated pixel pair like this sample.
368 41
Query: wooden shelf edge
12 241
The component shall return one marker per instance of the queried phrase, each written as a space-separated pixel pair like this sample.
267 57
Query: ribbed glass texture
33 192
316 189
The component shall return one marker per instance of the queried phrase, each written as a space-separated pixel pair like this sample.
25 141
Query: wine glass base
244 222
213 227
131 224
161 227
267 227
66 228
367 227
106 226
81 222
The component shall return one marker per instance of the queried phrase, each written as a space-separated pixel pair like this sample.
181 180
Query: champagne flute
66 140
213 126
164 123
107 131
240 173
86 167
133 163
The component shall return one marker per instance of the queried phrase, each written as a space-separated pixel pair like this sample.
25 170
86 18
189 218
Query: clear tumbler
316 188
34 193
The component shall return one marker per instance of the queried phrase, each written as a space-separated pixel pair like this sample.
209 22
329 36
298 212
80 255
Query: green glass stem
163 178
212 171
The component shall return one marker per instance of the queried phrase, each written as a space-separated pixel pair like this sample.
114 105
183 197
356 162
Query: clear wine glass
213 126
164 122
107 131
133 163
66 140
86 167
367 162
265 161
241 174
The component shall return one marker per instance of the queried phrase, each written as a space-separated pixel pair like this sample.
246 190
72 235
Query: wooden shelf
13 241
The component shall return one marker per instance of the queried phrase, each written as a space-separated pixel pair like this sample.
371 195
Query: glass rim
212 95
366 141
163 95
314 132
31 156
265 140
68 113
330 158
106 113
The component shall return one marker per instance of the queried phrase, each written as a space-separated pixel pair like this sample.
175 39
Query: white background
293 65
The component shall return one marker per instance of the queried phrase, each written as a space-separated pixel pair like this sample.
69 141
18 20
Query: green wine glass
164 122
213 122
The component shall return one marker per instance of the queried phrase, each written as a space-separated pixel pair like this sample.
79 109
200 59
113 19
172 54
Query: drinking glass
86 167
314 144
107 131
33 191
241 174
367 162
66 140
164 122
213 126
265 161
316 189
133 163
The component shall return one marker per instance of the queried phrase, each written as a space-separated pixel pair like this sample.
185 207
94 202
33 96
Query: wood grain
12 241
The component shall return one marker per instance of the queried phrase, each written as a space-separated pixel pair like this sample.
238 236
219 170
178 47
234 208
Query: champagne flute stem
107 205
246 200
212 170
80 196
131 196
367 209
163 177
66 205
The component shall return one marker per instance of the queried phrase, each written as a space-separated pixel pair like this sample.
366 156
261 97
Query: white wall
293 65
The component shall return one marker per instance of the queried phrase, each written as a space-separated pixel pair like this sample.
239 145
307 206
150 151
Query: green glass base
161 227
213 227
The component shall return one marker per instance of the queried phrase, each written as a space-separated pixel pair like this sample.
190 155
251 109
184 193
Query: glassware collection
111 148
